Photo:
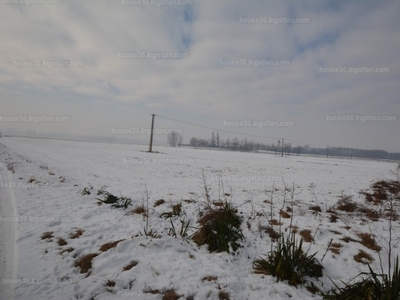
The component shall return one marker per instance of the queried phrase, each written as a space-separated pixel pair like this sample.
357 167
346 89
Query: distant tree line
245 145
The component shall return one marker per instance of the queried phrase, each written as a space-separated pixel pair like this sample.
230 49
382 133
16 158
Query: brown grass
109 245
209 278
382 190
85 262
47 235
189 201
140 210
271 232
159 202
306 235
223 295
284 214
77 234
218 203
346 204
368 241
363 257
335 248
61 242
333 218
109 283
275 222
129 266
315 208
170 295
67 250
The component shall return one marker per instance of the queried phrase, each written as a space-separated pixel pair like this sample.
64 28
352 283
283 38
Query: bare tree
174 139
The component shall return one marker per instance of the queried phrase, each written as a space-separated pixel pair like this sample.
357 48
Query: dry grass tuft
132 264
77 234
67 250
139 210
315 208
170 295
159 202
306 235
209 278
85 262
368 241
363 257
223 295
271 232
275 222
284 214
47 235
333 218
335 248
109 283
109 245
61 242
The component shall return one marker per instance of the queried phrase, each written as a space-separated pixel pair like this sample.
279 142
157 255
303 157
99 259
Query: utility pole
151 133
351 152
283 140
327 151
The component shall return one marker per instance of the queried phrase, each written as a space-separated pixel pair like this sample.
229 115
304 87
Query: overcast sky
212 63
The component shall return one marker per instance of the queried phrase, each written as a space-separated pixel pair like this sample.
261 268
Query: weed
176 211
220 229
86 190
373 286
116 202
289 262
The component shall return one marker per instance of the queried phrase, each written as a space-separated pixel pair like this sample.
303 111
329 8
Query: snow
8 254
51 174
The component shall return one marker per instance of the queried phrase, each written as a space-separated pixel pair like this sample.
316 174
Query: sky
312 72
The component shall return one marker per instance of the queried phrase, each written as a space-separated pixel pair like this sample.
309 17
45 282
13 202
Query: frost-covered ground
49 176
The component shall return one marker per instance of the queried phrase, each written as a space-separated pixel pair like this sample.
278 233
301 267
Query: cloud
208 36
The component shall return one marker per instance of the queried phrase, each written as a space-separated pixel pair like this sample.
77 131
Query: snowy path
8 249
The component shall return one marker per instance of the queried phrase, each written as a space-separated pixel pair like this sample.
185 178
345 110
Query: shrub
116 202
374 286
220 229
289 262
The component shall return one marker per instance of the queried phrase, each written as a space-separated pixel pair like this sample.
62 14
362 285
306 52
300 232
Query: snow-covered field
49 176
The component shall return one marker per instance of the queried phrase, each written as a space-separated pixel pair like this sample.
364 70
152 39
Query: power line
221 130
